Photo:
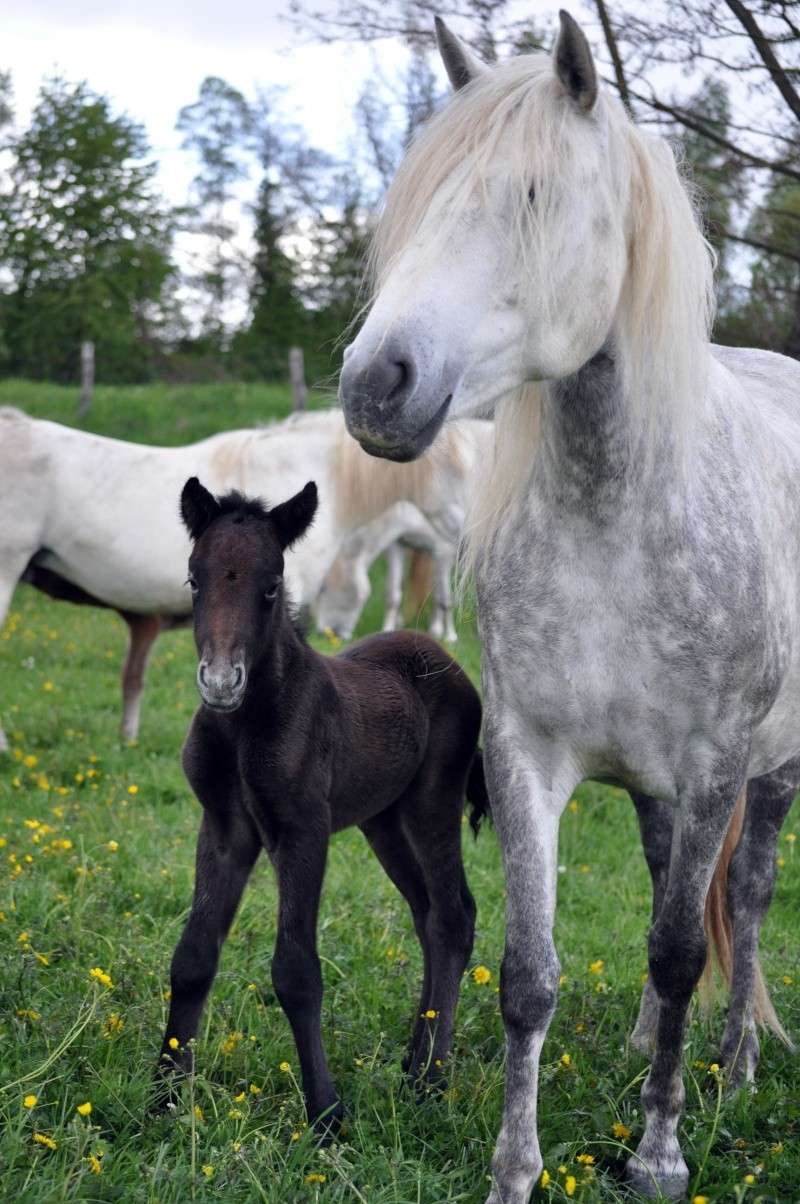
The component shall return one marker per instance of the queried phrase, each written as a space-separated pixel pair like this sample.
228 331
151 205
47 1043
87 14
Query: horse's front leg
226 853
299 860
526 807
677 955
655 825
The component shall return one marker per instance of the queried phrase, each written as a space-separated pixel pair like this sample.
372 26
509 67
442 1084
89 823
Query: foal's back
404 709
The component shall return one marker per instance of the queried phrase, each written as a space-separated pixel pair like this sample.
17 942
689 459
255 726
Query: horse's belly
139 587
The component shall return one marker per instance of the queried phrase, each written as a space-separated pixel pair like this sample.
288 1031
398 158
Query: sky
150 59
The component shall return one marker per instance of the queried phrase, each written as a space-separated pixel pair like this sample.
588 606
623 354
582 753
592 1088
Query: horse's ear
460 63
198 507
574 63
293 518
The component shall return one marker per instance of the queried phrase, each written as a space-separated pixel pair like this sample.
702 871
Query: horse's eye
531 194
271 592
193 586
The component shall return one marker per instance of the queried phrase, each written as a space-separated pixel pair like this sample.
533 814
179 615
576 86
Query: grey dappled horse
636 544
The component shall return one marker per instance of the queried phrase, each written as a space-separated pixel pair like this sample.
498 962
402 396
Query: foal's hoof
327 1124
671 1183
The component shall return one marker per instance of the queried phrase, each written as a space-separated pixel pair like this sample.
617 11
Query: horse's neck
590 456
278 668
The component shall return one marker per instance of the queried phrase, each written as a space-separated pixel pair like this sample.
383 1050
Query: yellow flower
40 957
48 685
23 937
296 1135
749 1178
569 1185
545 1179
28 1014
95 1165
699 1199
562 1170
566 1059
430 1014
791 837
112 846
237 1099
284 1066
621 1131
133 789
574 806
84 1109
235 1114
714 1068
481 975
597 966
236 1146
777 1148
198 1113
31 1101
114 1023
101 976
787 980
30 761
586 1159
228 1046
43 1139
562 980
314 1177
208 1171
173 1043
254 1090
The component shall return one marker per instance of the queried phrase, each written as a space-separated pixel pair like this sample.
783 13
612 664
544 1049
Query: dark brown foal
290 746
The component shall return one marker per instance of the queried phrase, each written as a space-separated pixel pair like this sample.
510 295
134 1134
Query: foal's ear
293 518
460 63
574 63
198 507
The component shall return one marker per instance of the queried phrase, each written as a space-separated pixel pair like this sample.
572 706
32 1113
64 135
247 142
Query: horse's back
767 377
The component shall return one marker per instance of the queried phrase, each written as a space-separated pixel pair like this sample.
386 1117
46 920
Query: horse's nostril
237 681
202 673
399 374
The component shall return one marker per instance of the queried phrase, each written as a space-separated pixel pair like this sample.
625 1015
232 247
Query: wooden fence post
297 379
87 378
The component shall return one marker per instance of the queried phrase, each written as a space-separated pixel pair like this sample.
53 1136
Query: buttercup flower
84 1109
570 1183
101 976
47 1142
95 1165
481 975
621 1131
30 1101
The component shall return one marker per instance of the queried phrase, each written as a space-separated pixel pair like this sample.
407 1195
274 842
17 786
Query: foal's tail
719 931
477 794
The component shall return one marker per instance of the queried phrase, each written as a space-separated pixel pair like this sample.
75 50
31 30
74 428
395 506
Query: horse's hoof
670 1183
327 1123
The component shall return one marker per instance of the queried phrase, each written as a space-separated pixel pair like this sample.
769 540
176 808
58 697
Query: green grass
91 903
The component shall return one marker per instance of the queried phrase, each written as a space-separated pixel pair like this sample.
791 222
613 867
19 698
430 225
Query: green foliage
108 885
84 239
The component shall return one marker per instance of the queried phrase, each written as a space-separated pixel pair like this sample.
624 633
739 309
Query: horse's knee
452 925
529 988
296 976
193 967
676 955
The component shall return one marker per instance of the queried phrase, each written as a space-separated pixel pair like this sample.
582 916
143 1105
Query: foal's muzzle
221 684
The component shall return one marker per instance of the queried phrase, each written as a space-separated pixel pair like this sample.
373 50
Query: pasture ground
96 872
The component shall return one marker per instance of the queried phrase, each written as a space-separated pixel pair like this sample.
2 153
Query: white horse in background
636 544
437 532
95 520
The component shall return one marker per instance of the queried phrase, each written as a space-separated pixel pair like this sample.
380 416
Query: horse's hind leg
443 598
655 824
431 817
395 564
751 877
142 630
12 566
390 845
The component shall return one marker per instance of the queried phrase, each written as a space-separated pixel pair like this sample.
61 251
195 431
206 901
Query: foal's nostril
238 675
201 673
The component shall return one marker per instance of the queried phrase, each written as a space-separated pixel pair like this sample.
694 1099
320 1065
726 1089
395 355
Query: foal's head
236 578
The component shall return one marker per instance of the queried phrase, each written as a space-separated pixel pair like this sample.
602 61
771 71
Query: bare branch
765 51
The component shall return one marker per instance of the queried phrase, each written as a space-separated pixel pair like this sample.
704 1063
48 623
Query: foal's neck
278 666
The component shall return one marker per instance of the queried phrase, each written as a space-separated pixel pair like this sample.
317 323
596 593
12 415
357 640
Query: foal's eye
271 592
193 586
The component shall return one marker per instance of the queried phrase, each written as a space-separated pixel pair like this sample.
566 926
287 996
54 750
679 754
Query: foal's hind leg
751 877
655 825
431 817
390 845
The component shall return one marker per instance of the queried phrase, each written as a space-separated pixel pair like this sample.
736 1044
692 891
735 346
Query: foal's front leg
226 853
299 860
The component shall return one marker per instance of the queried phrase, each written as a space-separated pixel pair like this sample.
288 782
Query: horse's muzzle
222 685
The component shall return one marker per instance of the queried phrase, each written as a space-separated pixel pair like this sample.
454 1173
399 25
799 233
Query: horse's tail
477 794
719 931
420 581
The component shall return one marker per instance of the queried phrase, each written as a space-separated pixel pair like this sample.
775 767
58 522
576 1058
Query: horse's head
343 596
236 578
502 250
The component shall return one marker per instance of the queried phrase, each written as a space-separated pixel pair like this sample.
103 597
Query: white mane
517 117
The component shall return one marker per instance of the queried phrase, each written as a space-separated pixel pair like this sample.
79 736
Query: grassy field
97 857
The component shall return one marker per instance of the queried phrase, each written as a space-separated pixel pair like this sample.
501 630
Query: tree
84 239
219 127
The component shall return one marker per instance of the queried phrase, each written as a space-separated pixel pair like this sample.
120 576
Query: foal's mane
234 502
517 115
